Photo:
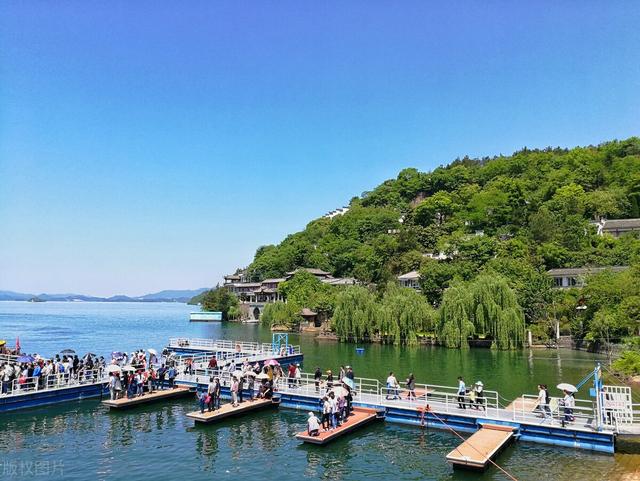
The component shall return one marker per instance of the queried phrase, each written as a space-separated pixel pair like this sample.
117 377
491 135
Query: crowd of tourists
139 373
33 372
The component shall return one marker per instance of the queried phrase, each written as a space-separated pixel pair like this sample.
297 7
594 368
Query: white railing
54 381
8 358
232 346
440 398
584 412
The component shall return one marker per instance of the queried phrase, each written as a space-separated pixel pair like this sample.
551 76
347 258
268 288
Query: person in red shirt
213 363
292 375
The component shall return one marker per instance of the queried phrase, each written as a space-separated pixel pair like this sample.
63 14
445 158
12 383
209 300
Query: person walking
317 378
326 413
291 375
569 403
172 377
462 391
241 389
251 382
234 392
411 386
392 386
543 401
478 390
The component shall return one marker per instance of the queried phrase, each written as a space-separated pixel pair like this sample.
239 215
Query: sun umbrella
262 376
272 362
340 391
67 351
250 373
117 355
26 359
2 342
128 368
88 355
349 382
152 351
237 374
113 368
567 387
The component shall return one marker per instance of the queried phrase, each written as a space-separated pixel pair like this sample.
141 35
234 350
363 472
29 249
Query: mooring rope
428 409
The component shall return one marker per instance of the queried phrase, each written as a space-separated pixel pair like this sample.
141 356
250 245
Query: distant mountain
162 296
174 295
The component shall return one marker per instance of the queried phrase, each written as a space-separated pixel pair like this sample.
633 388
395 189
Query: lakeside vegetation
495 226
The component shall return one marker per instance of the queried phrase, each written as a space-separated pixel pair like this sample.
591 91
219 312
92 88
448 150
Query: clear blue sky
146 146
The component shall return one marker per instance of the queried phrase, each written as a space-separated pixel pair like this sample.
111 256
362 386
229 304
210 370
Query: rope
506 473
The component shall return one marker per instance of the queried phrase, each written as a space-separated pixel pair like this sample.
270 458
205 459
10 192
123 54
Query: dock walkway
360 417
481 447
155 396
228 410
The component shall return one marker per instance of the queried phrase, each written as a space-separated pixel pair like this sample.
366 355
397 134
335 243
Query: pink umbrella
272 362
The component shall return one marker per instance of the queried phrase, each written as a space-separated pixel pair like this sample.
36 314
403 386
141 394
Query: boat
204 316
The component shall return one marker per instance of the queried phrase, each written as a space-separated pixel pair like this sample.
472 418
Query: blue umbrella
349 382
117 355
26 359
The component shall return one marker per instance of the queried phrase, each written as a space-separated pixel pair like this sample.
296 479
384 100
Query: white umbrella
114 368
152 351
250 373
567 387
340 391
237 374
128 368
262 376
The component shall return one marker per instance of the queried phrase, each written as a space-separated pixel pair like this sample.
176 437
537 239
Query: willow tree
455 323
485 306
280 313
404 314
356 314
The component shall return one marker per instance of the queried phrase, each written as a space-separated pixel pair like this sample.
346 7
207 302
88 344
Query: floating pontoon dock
481 447
228 410
359 418
155 396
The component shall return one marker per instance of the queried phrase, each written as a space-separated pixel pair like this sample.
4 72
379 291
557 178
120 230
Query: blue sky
146 146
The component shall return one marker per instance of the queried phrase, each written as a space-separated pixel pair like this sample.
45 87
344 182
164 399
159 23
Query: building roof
409 276
339 281
274 281
583 271
247 284
310 270
306 312
615 224
232 277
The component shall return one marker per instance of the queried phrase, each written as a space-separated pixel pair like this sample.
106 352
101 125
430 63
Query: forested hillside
510 217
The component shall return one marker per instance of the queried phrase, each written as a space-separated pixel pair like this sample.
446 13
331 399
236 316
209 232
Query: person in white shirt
462 391
569 403
543 402
313 425
392 387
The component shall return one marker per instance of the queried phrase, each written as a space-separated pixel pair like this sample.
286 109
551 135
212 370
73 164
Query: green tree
220 300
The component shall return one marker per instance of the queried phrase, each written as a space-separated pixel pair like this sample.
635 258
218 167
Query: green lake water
83 440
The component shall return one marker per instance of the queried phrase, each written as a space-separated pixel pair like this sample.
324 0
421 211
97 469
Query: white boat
205 316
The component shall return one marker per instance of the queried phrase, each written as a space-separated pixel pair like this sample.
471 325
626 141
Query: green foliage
404 313
628 363
281 314
486 306
306 290
534 208
357 314
220 300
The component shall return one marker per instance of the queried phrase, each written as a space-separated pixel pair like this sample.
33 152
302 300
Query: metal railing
231 346
24 385
583 413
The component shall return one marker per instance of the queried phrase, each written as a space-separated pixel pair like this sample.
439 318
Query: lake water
84 441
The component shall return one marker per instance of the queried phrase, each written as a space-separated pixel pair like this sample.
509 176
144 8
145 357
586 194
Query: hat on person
479 383
310 413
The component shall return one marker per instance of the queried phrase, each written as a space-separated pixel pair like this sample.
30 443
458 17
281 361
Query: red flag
17 345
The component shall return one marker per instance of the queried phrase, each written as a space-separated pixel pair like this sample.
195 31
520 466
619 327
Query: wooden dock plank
481 446
359 418
155 396
227 410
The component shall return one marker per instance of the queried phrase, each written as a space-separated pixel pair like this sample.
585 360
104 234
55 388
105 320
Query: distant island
162 296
